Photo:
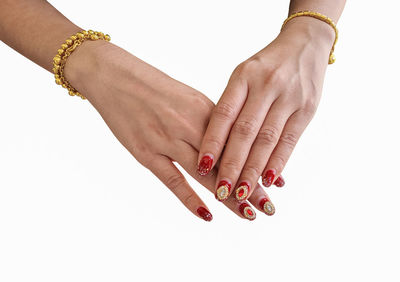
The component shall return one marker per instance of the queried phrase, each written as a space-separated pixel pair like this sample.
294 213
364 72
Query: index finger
221 121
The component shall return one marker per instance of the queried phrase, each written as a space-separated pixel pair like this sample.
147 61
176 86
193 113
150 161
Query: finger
279 182
166 171
263 146
186 157
260 199
292 131
221 121
240 141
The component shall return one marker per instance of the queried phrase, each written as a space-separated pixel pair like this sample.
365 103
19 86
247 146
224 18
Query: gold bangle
320 17
66 50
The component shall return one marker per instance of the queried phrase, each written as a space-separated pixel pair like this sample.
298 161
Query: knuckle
278 162
224 111
277 77
268 135
231 165
248 66
252 170
214 142
289 139
188 199
173 182
309 107
245 128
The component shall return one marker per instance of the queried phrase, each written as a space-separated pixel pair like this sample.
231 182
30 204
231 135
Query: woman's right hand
158 119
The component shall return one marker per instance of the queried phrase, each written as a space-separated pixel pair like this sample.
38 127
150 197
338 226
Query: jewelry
66 50
320 17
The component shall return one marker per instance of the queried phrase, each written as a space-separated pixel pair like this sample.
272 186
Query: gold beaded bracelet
66 50
320 17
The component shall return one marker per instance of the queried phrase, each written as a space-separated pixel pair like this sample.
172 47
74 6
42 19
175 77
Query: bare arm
130 95
34 28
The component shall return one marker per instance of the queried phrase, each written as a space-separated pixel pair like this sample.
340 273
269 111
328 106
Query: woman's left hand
267 104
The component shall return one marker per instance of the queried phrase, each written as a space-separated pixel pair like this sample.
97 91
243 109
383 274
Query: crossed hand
250 133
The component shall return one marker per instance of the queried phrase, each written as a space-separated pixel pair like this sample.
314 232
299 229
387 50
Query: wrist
82 64
311 30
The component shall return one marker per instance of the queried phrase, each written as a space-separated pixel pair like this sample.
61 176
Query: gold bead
60 51
84 32
80 35
58 81
71 93
100 34
107 37
73 38
55 70
90 31
64 85
57 60
69 42
94 37
64 46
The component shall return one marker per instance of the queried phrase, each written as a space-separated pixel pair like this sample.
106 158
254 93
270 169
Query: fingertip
223 191
205 164
279 182
204 213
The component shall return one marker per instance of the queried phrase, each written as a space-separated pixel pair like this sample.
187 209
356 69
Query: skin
162 110
158 119
271 98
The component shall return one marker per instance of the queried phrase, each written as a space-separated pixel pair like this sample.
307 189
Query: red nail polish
267 206
223 190
247 211
205 164
279 182
269 177
205 214
242 191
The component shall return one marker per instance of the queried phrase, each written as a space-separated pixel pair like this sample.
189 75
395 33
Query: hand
267 104
158 119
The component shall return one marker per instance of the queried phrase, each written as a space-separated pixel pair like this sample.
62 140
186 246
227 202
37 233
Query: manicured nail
247 211
279 182
267 206
224 188
205 164
242 191
205 214
269 177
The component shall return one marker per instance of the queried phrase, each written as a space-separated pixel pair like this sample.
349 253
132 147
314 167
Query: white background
75 206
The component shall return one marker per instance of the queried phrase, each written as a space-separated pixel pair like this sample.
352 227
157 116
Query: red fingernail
247 211
279 182
205 214
269 177
267 206
205 164
242 191
223 190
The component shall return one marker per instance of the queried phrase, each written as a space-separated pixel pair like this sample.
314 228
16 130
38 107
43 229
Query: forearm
331 8
34 28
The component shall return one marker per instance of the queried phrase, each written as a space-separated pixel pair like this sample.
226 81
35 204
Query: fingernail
224 188
247 211
242 191
267 206
204 213
268 177
205 164
279 182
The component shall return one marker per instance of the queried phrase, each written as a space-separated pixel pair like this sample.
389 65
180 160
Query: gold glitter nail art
242 191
